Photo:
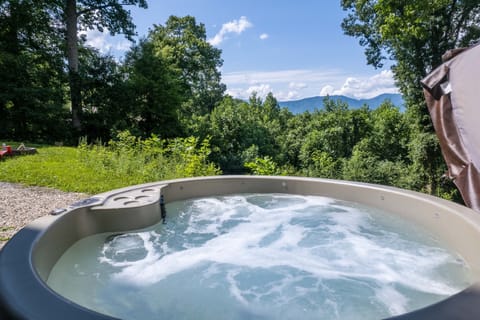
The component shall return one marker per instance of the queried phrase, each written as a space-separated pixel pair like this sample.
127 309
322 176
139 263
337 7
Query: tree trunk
72 57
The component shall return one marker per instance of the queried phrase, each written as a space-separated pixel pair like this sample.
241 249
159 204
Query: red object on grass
6 151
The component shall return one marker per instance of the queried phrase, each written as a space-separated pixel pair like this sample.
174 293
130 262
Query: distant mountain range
310 104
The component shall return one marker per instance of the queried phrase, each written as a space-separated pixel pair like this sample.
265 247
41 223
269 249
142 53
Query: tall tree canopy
174 74
156 92
106 98
92 14
31 70
182 43
414 34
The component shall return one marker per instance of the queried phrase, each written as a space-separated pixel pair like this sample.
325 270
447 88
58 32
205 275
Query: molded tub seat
28 258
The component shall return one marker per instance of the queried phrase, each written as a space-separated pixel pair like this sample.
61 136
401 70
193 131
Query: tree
107 99
239 134
388 139
92 14
31 72
271 108
156 92
381 156
414 35
173 79
329 138
297 127
334 130
182 44
366 167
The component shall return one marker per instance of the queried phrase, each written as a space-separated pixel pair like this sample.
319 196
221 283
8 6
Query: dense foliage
164 109
414 35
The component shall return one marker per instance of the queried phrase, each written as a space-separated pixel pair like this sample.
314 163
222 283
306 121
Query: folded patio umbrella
452 93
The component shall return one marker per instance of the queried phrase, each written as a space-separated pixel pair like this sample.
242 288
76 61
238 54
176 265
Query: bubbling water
262 256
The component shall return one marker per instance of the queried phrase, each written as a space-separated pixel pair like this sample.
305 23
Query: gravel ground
20 205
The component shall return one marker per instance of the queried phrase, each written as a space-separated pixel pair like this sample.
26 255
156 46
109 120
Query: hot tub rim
19 278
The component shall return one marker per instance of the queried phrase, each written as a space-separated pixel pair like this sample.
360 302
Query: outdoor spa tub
29 259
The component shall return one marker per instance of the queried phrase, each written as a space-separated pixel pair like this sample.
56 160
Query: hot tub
28 258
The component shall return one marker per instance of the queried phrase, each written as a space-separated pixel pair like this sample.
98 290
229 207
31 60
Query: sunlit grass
56 167
95 169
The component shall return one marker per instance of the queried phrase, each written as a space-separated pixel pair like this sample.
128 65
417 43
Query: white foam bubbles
392 299
269 257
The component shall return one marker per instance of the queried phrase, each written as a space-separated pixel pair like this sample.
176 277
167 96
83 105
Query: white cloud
297 85
235 26
104 42
264 36
364 88
327 90
285 96
262 90
282 76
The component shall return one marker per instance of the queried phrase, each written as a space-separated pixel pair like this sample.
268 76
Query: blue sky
295 49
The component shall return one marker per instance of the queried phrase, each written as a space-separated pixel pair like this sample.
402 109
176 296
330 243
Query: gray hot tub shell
27 259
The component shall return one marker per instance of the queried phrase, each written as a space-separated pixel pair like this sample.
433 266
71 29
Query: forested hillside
54 88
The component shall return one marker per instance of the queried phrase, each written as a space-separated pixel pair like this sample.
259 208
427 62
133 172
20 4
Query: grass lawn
57 167
96 169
